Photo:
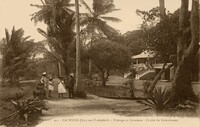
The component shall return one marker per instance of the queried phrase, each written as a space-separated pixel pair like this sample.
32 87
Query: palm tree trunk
90 68
153 84
78 71
162 9
90 60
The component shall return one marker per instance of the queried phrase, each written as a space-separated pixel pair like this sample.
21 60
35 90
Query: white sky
17 12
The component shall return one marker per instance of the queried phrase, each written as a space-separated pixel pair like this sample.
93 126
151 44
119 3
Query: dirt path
100 112
92 106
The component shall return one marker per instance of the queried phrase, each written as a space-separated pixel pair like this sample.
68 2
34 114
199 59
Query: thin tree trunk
153 84
90 60
162 9
78 71
162 16
90 68
59 69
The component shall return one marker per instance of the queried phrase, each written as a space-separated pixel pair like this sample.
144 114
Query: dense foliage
59 36
108 56
17 51
133 40
95 21
160 35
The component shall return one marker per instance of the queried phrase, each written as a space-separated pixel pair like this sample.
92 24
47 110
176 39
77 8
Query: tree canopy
108 56
160 35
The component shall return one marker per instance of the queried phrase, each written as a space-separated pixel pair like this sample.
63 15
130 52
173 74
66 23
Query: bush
80 94
161 100
29 110
12 94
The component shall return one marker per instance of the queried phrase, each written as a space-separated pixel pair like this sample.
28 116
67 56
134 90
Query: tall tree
108 56
187 48
60 24
95 21
78 71
161 38
17 51
162 9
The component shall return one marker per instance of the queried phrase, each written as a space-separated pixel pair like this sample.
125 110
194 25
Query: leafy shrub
12 94
29 110
130 86
161 100
80 94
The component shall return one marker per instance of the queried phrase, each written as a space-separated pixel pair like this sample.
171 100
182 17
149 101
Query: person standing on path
71 85
61 88
50 85
44 81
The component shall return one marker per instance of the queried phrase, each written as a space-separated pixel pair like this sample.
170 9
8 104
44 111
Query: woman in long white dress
61 88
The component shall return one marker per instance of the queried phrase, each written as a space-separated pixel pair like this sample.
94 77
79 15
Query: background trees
108 56
95 22
178 34
133 40
17 51
160 34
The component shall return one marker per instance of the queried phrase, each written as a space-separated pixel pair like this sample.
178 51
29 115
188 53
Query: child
61 88
50 86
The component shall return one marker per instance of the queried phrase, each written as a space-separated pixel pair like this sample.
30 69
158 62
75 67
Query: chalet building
147 67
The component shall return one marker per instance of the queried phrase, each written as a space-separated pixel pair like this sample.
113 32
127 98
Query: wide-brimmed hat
72 74
44 73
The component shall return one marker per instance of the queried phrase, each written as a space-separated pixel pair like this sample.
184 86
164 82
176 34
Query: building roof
145 54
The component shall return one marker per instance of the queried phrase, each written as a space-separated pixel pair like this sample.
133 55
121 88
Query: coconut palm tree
60 24
17 51
52 10
95 21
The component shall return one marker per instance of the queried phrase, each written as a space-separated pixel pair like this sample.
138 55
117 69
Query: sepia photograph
99 63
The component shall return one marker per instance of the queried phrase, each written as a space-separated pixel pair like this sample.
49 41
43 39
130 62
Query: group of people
47 85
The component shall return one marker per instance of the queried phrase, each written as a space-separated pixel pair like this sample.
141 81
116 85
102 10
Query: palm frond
106 29
113 19
145 103
103 7
86 6
68 10
109 10
85 19
7 35
146 109
42 2
42 15
42 32
37 6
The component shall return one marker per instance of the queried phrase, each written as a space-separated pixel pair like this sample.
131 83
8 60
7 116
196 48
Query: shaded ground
70 112
92 106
